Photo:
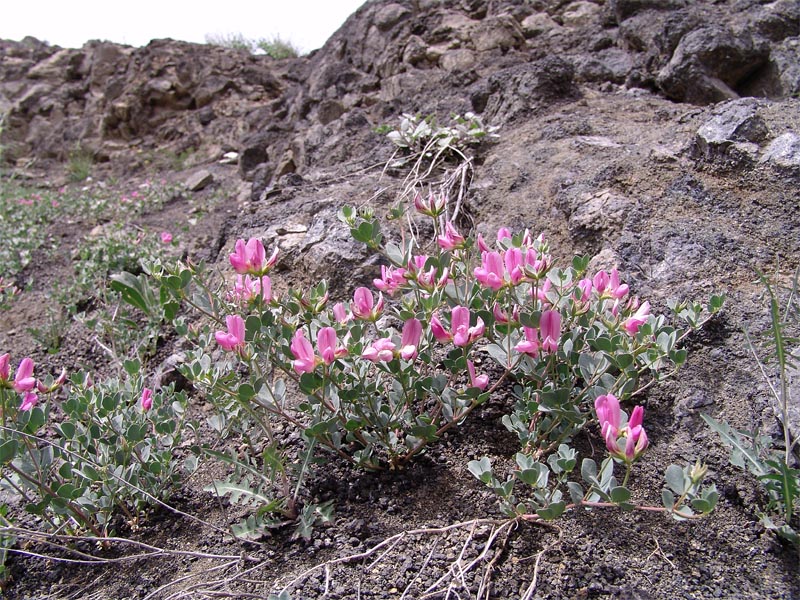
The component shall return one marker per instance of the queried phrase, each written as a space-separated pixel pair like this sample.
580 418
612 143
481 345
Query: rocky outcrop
116 101
502 58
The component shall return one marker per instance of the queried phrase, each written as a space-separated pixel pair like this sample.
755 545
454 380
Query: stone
390 15
778 20
518 90
329 110
538 24
501 32
580 14
709 63
598 213
732 134
623 9
459 59
785 60
199 180
612 65
784 153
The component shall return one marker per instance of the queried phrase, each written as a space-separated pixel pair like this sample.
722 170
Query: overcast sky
71 23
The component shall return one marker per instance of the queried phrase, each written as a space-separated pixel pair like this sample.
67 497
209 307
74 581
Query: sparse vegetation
275 47
79 164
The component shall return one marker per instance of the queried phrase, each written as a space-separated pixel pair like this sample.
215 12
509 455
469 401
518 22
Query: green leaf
243 494
67 491
395 254
130 287
132 367
575 491
246 392
481 469
620 494
675 479
738 441
553 511
588 470
8 450
251 327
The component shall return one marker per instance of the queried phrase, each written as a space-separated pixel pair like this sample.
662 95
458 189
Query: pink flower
609 416
439 332
536 265
530 345
340 313
463 334
4 366
550 328
625 443
514 262
617 290
326 343
491 272
147 399
584 291
482 245
391 279
636 439
504 233
481 381
632 324
428 280
43 389
28 401
250 257
364 306
451 238
432 207
600 281
246 288
503 318
24 380
305 359
412 334
608 285
233 339
381 349
541 291
166 237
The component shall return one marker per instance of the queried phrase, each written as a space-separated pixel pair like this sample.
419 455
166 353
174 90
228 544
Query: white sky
71 23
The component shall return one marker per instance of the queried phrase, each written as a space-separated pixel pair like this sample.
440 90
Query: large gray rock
732 134
709 63
785 59
623 9
519 90
784 152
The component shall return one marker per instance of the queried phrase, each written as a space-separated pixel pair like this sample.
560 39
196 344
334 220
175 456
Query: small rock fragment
199 180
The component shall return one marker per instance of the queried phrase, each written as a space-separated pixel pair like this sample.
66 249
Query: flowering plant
113 450
388 372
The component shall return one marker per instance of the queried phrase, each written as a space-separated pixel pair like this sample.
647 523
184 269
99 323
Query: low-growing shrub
388 373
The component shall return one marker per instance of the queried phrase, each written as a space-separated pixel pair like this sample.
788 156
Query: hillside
660 137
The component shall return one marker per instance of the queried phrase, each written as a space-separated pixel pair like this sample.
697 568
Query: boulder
519 90
623 9
580 14
783 153
709 63
733 133
785 60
